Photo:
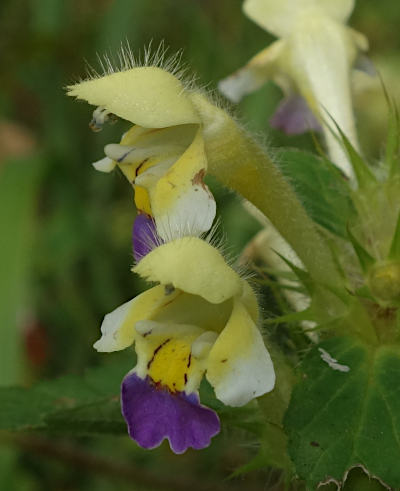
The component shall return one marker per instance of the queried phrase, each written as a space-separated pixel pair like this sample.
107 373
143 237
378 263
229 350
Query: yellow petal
193 309
239 366
147 96
154 145
280 17
118 327
142 200
192 265
164 353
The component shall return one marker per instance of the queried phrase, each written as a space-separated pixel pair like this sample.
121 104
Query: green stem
241 164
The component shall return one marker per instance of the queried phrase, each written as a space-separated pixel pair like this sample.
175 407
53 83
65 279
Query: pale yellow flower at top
163 154
200 319
313 57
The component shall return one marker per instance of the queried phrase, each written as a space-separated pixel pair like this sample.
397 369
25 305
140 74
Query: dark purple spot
153 414
293 116
144 236
123 156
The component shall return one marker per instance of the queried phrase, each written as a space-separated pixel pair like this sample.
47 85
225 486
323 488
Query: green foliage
364 174
72 404
394 252
321 188
392 148
339 419
365 259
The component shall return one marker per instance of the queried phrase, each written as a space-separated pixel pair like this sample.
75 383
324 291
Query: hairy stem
241 164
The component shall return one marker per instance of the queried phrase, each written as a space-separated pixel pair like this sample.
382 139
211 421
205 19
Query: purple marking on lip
154 413
293 116
144 236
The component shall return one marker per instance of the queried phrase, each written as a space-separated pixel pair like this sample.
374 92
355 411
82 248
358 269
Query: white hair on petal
215 237
159 57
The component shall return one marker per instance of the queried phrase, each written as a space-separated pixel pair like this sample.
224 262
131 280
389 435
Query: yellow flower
199 319
163 154
313 58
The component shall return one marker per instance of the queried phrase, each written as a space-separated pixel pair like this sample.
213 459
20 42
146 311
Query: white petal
203 344
239 366
150 176
239 84
104 165
110 327
118 327
261 68
322 56
191 214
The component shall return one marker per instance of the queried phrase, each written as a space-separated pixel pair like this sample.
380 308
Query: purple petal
144 236
154 413
364 64
293 116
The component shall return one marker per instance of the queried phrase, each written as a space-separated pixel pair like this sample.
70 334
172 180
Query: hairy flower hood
162 154
146 96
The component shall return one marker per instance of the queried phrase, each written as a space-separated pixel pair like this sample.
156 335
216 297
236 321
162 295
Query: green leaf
393 135
394 252
321 188
301 274
78 404
339 419
364 257
364 175
100 417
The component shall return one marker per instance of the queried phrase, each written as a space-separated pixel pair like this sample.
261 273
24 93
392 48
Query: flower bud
384 281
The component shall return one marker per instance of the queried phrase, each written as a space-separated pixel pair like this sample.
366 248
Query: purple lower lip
154 413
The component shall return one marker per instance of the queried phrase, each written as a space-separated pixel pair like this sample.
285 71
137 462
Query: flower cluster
201 317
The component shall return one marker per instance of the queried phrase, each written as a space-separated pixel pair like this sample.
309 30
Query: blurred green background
66 229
